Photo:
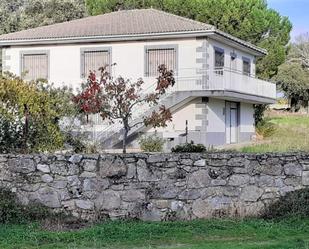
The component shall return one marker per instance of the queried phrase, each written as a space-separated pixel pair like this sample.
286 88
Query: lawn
292 134
214 234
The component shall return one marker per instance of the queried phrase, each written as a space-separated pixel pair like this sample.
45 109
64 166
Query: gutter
133 37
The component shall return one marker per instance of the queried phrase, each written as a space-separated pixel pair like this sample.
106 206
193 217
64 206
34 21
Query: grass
292 134
214 234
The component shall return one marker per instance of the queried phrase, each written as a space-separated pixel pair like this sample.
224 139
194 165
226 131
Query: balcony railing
193 79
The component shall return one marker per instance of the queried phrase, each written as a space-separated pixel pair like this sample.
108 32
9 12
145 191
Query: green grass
214 234
292 134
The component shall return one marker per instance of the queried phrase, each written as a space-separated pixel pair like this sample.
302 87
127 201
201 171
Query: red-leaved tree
118 98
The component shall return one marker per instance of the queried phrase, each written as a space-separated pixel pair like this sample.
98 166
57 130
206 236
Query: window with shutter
35 65
93 59
246 66
156 56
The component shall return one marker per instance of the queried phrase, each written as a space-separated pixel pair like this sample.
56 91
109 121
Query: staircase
114 135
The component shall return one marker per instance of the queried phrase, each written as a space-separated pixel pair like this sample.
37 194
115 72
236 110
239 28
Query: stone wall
154 186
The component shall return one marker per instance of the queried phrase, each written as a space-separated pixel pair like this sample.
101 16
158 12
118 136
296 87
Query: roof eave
133 37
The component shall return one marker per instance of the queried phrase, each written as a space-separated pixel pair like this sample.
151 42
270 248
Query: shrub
189 147
151 143
11 211
295 203
30 114
265 128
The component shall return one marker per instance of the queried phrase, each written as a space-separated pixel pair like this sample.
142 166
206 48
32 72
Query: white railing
192 79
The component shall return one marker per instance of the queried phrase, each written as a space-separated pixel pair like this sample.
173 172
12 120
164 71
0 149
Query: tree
299 52
118 99
293 80
250 20
23 14
293 75
30 112
38 13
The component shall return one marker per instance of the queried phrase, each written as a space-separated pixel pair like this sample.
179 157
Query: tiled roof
116 26
126 22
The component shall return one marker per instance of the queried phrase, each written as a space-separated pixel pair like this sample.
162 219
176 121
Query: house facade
216 88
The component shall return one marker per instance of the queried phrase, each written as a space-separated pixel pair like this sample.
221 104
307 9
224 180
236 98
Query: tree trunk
124 141
26 129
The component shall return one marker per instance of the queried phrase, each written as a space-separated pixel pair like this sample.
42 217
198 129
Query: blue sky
296 10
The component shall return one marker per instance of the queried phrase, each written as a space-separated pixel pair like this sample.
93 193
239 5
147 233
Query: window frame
158 47
92 49
247 60
34 52
219 50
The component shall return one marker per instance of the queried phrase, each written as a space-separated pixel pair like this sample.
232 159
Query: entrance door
231 122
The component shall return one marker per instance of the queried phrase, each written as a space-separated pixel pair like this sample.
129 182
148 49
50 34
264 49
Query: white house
215 89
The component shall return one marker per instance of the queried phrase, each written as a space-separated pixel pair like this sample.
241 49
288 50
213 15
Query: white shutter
93 60
35 66
157 57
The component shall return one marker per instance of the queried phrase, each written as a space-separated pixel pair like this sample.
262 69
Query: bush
30 114
11 211
189 147
265 128
151 143
295 203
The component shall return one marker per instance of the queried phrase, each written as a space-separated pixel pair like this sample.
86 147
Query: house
215 89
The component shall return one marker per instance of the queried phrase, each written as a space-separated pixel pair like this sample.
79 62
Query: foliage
23 14
265 128
151 143
30 113
294 203
299 52
11 211
250 20
220 234
259 111
189 148
116 99
293 76
293 80
292 134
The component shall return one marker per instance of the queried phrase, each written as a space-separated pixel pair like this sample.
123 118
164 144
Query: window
246 66
94 58
35 65
156 56
219 60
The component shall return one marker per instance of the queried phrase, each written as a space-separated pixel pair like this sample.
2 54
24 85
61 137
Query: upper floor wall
65 64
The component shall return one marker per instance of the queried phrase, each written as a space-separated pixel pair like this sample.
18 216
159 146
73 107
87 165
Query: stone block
305 178
43 168
238 180
293 169
251 193
89 165
112 167
22 165
84 204
108 200
198 179
47 178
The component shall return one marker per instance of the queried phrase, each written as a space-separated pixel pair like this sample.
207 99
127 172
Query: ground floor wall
154 186
205 120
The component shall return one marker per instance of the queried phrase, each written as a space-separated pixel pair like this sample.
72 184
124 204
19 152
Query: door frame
228 113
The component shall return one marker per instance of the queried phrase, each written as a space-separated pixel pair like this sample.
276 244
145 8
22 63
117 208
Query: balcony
225 83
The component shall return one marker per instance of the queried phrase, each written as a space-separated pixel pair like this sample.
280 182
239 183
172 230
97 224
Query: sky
296 10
